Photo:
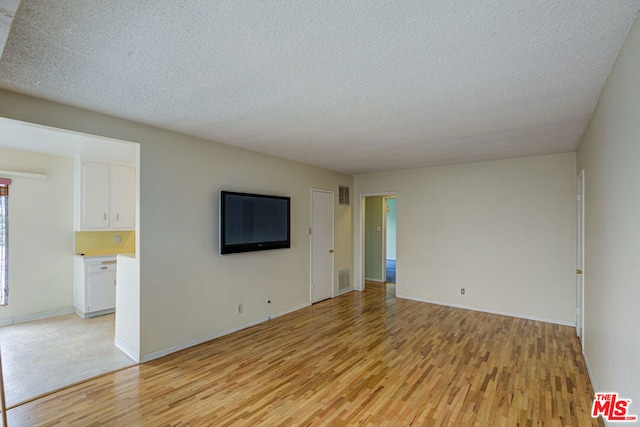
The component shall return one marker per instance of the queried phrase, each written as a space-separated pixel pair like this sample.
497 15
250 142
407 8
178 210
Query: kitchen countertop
90 255
129 255
95 255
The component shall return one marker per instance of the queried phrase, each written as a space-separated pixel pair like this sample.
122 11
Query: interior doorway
39 319
379 241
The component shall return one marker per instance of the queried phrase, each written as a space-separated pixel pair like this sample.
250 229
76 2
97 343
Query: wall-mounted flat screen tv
254 222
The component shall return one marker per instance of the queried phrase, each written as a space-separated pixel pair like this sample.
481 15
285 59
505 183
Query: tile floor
45 355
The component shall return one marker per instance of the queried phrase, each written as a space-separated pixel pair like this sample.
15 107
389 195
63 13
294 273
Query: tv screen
254 222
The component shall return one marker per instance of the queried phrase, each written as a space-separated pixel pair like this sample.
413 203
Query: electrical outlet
461 291
415 285
240 309
116 238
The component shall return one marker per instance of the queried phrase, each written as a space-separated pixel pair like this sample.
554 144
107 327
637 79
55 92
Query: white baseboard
128 350
489 310
344 291
374 280
94 313
166 351
586 362
593 383
36 316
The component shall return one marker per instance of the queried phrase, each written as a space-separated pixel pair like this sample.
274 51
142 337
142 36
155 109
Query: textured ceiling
357 86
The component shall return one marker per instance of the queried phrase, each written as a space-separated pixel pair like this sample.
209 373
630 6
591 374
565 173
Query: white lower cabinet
94 285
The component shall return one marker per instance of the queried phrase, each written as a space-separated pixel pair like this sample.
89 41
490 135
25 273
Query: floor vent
343 280
343 195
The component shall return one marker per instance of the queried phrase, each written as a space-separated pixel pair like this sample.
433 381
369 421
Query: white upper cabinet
123 197
95 195
107 196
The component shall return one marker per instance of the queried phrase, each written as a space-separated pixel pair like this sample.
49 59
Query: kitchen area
105 267
74 307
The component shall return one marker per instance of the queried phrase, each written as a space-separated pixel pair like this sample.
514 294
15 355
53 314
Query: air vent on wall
343 195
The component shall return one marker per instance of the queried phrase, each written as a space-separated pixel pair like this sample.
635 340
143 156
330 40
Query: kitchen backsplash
102 242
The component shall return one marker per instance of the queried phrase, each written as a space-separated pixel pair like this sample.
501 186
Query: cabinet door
102 291
123 197
95 195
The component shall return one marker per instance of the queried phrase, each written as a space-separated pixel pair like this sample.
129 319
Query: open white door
321 245
580 261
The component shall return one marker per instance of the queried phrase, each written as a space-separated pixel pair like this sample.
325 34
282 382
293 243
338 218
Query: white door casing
321 245
384 239
385 207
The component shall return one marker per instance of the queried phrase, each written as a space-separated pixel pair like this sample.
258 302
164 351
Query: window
4 241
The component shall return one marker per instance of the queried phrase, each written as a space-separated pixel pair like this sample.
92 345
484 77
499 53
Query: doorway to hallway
379 254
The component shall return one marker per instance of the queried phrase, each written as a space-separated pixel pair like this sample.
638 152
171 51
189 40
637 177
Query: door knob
578 271
330 251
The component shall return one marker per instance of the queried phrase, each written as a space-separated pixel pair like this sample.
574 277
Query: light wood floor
362 358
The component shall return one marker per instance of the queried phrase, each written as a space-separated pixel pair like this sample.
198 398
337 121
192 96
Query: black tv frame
226 249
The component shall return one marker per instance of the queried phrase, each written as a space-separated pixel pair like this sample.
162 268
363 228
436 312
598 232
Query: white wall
610 156
40 236
503 230
188 292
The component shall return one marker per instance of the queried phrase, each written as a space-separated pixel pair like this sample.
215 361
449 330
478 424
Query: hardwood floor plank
364 358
